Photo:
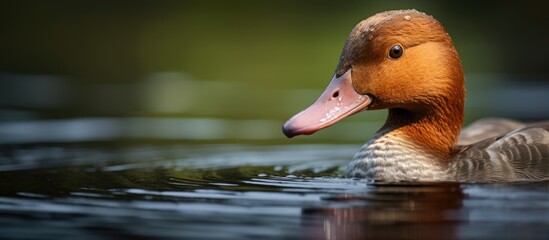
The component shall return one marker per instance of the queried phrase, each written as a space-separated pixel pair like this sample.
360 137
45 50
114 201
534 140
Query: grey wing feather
522 154
487 128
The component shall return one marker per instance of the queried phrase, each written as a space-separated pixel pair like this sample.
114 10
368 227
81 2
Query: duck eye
395 51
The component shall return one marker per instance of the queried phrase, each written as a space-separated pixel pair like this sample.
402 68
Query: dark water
181 191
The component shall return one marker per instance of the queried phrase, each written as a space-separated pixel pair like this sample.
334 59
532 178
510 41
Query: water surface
224 191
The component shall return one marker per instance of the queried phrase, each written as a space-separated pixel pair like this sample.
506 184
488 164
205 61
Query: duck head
403 61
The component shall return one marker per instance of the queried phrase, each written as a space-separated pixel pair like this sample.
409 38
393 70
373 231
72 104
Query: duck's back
487 128
521 154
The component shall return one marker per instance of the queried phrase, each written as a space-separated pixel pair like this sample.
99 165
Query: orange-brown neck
434 127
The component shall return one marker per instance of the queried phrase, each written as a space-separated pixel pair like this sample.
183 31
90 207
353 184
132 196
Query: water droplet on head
407 17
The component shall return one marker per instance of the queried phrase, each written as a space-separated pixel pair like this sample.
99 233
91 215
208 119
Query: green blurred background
233 70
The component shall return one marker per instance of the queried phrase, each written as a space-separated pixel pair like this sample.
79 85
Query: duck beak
338 101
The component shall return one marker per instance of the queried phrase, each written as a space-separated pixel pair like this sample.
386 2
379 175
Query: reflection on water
100 129
244 192
426 211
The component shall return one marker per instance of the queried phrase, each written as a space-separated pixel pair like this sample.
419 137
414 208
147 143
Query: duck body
502 150
405 61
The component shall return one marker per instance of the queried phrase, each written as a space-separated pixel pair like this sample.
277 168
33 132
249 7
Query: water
224 191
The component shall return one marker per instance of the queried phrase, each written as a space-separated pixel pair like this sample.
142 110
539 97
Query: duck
405 61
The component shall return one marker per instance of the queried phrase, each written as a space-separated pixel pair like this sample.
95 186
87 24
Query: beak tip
288 131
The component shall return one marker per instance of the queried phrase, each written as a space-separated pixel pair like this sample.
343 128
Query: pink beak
338 101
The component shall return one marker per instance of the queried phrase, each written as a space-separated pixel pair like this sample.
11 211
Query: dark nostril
336 94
